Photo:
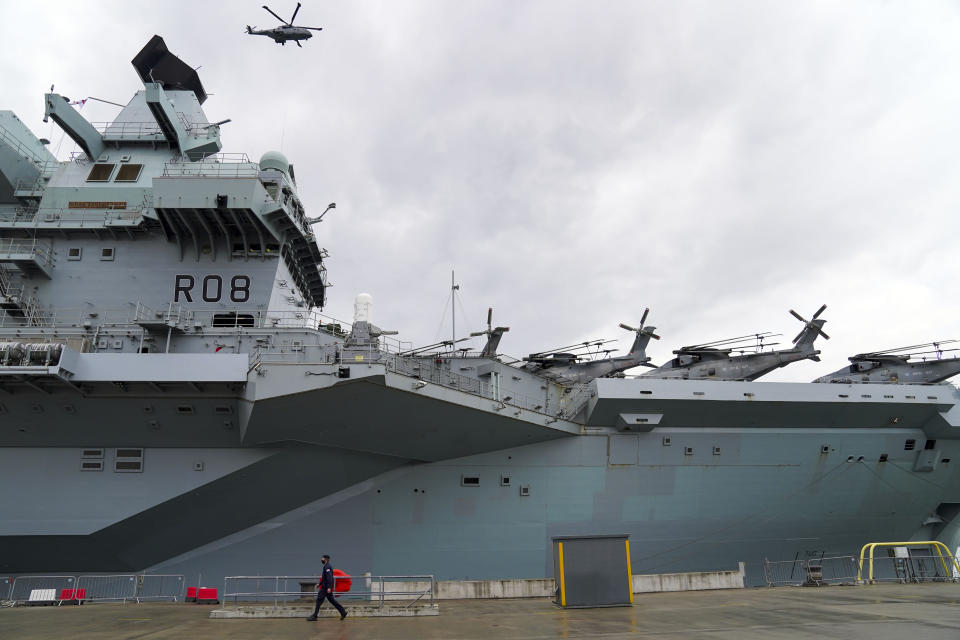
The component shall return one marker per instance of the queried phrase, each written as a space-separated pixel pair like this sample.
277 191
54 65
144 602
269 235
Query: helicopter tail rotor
814 325
642 330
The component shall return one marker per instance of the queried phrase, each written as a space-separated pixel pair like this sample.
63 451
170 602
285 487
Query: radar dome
275 160
363 308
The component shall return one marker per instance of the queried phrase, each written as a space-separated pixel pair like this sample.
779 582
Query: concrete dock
877 612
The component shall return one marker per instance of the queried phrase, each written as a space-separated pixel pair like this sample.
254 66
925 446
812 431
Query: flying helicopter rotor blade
489 316
311 28
797 316
654 336
643 318
295 12
270 11
799 335
819 311
628 327
478 333
825 336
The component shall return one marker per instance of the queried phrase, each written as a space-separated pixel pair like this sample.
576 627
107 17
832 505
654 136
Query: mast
453 305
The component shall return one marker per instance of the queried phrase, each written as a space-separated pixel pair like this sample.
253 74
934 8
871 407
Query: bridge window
930 444
128 173
100 172
233 320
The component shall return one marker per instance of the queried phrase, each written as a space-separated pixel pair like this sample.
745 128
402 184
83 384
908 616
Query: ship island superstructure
169 392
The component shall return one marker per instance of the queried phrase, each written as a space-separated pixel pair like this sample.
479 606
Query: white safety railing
400 591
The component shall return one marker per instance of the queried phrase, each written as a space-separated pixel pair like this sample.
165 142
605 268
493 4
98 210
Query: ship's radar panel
155 63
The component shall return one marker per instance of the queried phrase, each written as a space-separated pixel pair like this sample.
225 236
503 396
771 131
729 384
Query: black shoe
343 615
313 619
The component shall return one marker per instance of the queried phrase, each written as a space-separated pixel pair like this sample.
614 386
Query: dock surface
878 612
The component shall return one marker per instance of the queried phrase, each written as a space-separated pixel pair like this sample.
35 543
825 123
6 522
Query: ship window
91 465
185 409
524 491
666 441
909 445
129 466
504 481
129 173
470 481
688 451
128 461
930 444
129 453
716 451
945 461
233 320
74 253
106 254
100 172
92 453
883 457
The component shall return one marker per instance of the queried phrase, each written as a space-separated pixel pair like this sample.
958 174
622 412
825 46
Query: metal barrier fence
913 568
23 586
6 588
98 588
151 587
405 591
813 571
107 588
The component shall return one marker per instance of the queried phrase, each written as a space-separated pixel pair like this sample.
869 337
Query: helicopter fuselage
283 34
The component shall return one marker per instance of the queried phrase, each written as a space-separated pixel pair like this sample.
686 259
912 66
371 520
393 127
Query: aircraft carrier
171 398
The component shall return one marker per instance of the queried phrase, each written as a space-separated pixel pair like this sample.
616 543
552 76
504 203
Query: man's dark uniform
326 593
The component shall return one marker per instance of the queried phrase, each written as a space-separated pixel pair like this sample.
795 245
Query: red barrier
341 581
207 595
73 596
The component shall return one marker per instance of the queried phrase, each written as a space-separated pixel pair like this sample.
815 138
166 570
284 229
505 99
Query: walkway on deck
877 612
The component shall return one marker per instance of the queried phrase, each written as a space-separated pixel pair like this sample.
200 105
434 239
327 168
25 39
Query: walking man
325 590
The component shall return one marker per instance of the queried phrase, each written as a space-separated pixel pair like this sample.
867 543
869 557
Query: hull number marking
211 288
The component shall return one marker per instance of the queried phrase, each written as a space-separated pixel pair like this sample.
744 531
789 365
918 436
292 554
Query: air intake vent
470 481
909 445
91 465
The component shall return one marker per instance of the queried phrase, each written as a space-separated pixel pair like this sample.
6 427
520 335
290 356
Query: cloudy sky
577 162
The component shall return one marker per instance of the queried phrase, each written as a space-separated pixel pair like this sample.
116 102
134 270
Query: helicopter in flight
716 360
899 365
286 31
567 367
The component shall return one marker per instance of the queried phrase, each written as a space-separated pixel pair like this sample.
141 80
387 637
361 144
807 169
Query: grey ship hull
370 469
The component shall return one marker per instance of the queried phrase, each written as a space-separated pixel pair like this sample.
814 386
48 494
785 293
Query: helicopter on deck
895 365
716 360
286 31
569 365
